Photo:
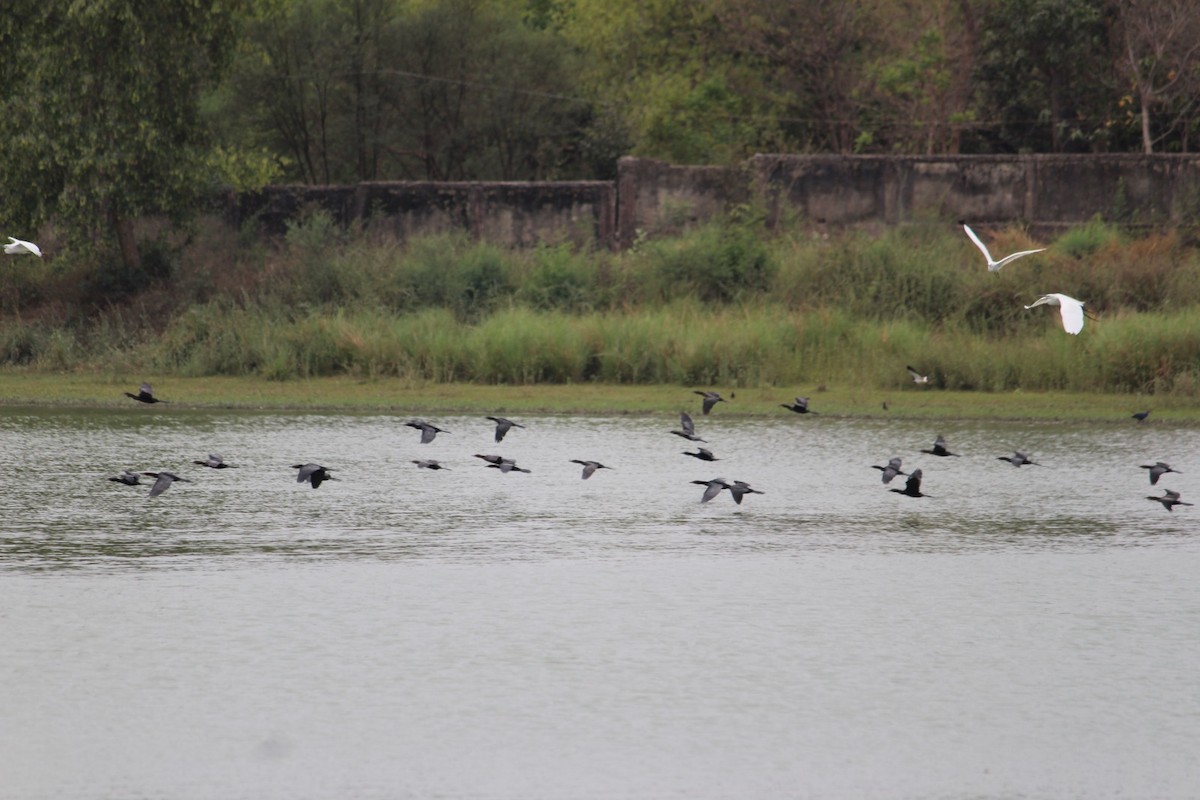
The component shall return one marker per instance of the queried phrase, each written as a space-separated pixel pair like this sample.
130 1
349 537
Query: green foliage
705 124
560 279
241 169
470 279
1047 71
99 110
1084 240
719 263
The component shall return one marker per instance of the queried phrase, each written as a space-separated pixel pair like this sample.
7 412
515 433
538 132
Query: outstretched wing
1072 313
685 422
982 247
161 484
1013 257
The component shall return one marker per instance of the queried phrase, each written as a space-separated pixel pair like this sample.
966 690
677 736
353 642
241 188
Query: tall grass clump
521 346
721 262
563 278
1083 241
450 271
1148 352
312 242
903 273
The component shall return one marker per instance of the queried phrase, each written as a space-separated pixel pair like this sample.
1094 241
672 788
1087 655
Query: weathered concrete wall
1041 190
512 214
656 198
653 198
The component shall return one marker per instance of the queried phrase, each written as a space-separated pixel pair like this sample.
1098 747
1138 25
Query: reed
686 343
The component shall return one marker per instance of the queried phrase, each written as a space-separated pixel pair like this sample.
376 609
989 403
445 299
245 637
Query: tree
920 92
99 101
668 78
1046 74
812 55
1159 45
355 90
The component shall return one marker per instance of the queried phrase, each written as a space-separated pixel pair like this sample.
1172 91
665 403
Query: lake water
1023 633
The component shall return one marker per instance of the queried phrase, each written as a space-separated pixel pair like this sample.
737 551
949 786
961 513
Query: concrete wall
512 214
1040 190
652 198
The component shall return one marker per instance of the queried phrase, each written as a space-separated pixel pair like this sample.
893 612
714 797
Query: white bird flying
1070 309
916 376
993 265
17 246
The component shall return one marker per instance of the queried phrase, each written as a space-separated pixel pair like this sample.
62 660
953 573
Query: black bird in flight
429 463
1017 459
145 394
712 488
162 481
589 467
702 453
214 461
313 473
739 489
128 478
1157 470
688 428
427 431
912 486
1168 500
891 470
507 465
710 399
800 406
939 448
503 426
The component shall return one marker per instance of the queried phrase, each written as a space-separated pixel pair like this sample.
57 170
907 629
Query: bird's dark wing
502 427
306 470
685 422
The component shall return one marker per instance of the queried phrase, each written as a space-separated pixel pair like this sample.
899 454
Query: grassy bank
19 388
726 305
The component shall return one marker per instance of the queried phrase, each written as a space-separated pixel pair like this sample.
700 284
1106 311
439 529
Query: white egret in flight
994 265
1069 308
17 246
916 376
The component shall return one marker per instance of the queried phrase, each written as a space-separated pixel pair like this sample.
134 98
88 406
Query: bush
719 263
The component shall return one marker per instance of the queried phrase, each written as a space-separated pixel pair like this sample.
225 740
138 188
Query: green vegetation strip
729 305
396 396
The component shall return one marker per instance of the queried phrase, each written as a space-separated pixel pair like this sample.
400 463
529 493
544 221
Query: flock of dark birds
912 486
316 474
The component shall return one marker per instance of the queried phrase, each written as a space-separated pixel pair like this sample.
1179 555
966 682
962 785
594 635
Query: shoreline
394 395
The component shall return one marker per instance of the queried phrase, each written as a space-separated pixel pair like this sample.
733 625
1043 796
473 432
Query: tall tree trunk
1056 143
1147 141
131 256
